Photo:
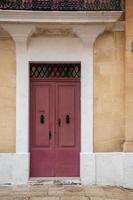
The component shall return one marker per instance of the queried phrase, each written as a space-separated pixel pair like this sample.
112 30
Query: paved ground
64 192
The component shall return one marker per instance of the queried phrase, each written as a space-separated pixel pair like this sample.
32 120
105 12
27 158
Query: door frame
33 80
77 53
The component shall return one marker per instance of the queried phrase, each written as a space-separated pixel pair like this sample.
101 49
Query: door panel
67 143
65 110
67 163
42 120
42 154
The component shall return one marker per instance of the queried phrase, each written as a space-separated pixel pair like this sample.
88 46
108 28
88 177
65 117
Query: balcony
62 5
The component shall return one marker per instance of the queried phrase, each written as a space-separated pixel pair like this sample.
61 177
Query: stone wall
109 92
128 146
7 94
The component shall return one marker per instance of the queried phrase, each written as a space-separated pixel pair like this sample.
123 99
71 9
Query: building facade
66 91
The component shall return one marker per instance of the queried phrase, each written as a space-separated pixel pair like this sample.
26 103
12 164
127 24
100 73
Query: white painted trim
59 16
22 97
115 169
87 101
14 168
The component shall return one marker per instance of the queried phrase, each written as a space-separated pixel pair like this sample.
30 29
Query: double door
54 129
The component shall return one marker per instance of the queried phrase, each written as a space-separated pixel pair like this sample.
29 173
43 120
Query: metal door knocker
42 119
67 119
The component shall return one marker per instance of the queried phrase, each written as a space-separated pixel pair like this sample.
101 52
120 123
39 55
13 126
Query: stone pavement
64 192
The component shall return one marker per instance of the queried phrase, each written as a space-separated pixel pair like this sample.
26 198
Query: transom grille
63 5
48 70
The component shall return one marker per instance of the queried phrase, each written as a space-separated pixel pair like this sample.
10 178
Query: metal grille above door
48 70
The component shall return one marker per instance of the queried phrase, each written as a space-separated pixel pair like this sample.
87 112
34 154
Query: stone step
55 181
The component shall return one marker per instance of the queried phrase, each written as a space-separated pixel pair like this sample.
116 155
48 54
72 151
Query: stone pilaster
128 146
87 35
20 34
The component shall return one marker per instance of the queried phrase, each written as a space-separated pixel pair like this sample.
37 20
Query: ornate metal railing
62 5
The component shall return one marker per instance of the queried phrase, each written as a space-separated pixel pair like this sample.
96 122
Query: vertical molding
88 35
22 95
87 100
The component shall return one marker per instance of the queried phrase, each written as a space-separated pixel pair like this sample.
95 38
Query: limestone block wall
109 92
128 146
7 94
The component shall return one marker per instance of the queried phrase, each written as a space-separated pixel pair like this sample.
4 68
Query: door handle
50 135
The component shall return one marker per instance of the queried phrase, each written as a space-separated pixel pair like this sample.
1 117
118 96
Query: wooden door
54 129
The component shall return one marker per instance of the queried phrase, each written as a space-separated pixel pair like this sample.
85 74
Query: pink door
54 129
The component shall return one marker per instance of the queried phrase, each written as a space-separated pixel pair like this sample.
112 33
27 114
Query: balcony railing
62 5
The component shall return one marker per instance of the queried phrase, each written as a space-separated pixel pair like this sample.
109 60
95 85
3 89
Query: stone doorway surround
95 168
86 36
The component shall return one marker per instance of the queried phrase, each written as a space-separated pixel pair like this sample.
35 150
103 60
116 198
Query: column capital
88 33
19 32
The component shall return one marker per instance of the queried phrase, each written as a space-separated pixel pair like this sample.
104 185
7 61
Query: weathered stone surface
94 191
130 194
20 198
74 198
45 198
97 198
62 192
39 190
7 95
115 193
128 145
109 92
66 190
56 191
5 191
